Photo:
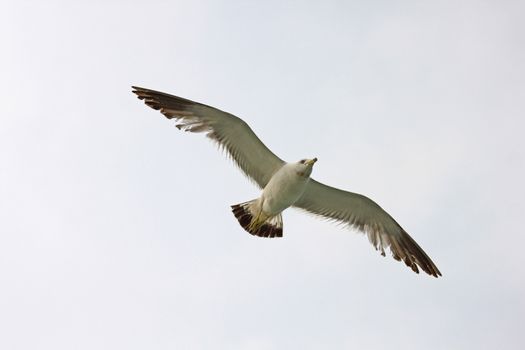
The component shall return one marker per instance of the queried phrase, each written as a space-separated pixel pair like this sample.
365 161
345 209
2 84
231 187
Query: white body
284 188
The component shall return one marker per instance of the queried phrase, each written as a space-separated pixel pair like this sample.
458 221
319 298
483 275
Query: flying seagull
287 184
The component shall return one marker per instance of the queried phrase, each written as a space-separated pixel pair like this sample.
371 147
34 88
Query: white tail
253 220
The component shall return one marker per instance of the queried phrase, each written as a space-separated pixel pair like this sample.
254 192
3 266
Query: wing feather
367 216
229 131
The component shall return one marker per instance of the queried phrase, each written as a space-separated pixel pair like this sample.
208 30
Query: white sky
115 228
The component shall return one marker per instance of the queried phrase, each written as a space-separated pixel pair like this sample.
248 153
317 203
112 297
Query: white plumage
287 184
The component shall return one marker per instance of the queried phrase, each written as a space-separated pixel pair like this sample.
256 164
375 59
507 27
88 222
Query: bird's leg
258 220
255 224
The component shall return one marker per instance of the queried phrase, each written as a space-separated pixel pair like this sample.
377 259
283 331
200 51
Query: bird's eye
302 161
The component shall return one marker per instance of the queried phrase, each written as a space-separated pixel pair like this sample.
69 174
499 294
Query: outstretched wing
229 131
364 214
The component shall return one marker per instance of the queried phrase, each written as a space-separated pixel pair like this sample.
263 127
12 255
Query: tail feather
255 223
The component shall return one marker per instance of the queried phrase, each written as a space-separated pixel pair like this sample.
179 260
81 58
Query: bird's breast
284 189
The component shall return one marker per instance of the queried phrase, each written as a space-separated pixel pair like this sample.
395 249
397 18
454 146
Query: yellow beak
310 161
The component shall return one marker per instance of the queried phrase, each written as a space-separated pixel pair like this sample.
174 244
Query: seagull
286 184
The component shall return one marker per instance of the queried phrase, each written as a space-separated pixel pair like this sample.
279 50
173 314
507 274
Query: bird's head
304 166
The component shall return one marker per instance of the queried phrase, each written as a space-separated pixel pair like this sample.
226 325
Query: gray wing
229 131
365 215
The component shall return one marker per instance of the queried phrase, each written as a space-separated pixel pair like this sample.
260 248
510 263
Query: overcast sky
115 227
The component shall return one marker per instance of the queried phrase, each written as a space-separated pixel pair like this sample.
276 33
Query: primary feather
229 131
367 216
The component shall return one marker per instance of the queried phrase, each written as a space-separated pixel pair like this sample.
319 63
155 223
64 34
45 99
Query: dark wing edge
231 133
365 215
